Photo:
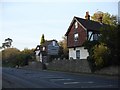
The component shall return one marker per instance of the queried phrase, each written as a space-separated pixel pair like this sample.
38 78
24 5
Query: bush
100 55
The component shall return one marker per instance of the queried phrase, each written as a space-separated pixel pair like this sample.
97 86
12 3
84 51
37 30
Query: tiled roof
87 24
47 42
90 24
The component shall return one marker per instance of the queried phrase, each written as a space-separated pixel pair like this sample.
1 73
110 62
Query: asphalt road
21 78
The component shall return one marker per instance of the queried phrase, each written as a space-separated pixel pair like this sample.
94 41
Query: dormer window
76 25
76 36
53 42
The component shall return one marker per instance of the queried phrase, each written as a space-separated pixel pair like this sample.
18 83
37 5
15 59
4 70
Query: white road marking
97 86
71 82
77 82
52 77
60 79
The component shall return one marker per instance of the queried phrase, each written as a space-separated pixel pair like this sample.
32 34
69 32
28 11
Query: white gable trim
80 24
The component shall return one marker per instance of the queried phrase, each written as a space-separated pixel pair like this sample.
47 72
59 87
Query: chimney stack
87 16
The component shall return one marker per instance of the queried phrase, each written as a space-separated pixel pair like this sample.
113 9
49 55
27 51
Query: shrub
100 55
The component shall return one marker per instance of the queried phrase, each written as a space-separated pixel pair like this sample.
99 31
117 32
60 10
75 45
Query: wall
79 66
83 53
70 66
82 36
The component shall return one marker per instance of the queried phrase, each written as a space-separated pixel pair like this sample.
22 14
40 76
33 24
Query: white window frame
76 36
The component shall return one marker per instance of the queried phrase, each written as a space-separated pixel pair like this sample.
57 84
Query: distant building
47 49
78 32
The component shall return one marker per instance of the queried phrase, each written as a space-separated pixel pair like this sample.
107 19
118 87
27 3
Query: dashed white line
60 79
77 82
71 82
97 86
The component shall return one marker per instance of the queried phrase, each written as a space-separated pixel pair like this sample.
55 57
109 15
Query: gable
72 25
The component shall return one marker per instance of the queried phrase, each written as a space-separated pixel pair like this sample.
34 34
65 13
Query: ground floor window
77 54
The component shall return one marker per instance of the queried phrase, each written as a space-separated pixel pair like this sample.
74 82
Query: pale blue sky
25 21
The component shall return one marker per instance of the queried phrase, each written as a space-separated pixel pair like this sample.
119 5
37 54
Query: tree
63 51
9 56
105 17
110 36
101 55
42 39
7 43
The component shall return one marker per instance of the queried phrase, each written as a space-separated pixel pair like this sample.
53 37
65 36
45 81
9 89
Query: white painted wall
38 58
72 53
83 53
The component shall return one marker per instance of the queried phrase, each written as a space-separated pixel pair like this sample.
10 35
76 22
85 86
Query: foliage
111 39
63 51
106 18
9 55
106 50
100 55
42 39
89 46
13 57
7 43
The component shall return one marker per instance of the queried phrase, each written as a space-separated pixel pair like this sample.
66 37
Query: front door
77 54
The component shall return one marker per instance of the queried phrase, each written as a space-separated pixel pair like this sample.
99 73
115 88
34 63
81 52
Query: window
95 36
78 54
90 36
76 37
53 42
76 25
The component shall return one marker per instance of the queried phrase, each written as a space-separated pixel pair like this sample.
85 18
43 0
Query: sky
25 21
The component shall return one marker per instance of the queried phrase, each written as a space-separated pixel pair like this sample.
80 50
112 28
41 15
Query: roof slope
88 24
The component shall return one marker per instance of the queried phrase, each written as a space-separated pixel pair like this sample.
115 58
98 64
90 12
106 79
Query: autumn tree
63 51
42 39
105 51
110 36
105 17
9 56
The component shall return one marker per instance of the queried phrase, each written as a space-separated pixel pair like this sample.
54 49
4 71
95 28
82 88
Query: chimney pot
87 16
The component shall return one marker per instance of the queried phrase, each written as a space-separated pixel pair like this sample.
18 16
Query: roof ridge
90 20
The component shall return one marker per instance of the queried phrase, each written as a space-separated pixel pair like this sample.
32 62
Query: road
21 78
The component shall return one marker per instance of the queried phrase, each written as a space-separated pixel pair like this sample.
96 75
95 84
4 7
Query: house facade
78 32
47 49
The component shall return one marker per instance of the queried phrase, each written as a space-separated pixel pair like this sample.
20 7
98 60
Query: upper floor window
93 36
90 36
76 25
53 42
76 36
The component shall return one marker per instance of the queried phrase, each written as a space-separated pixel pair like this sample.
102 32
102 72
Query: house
47 49
78 32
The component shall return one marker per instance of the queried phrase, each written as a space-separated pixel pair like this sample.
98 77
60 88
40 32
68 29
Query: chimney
87 16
